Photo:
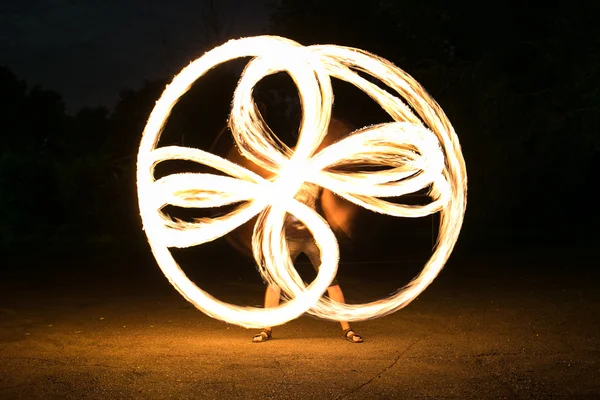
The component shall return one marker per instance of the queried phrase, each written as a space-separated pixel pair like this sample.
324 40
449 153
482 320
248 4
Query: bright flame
419 150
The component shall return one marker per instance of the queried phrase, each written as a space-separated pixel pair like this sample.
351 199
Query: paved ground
489 327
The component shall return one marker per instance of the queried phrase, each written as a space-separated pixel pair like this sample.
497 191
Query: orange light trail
419 150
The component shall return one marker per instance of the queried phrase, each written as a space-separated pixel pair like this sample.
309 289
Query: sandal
352 336
263 336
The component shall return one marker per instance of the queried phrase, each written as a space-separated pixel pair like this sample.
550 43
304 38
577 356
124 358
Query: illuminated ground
81 331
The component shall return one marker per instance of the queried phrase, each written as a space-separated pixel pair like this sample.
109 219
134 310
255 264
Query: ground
107 325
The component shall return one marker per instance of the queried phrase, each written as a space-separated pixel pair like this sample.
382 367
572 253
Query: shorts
307 245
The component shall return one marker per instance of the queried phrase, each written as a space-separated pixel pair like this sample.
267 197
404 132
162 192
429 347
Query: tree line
520 85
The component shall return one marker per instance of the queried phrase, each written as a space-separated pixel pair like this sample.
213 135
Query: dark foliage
520 84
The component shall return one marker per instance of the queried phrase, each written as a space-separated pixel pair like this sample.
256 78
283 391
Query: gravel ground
488 327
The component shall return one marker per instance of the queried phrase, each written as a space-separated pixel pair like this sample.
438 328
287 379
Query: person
301 241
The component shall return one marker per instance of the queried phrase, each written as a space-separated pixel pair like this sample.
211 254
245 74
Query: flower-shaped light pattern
419 150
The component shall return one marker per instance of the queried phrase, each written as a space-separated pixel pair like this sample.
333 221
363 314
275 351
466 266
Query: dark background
520 83
85 312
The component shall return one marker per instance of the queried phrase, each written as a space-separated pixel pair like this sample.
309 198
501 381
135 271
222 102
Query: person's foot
263 336
352 336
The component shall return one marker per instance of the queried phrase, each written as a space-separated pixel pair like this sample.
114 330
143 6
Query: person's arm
338 212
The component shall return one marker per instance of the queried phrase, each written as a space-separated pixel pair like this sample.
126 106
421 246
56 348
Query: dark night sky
519 85
90 50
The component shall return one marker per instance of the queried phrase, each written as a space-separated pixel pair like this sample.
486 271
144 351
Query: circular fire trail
418 151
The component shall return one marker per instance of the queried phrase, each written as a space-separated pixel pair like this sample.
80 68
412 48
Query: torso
309 195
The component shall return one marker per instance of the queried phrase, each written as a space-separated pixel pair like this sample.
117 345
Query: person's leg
334 291
273 296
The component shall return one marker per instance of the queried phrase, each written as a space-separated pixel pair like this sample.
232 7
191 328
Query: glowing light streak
419 150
